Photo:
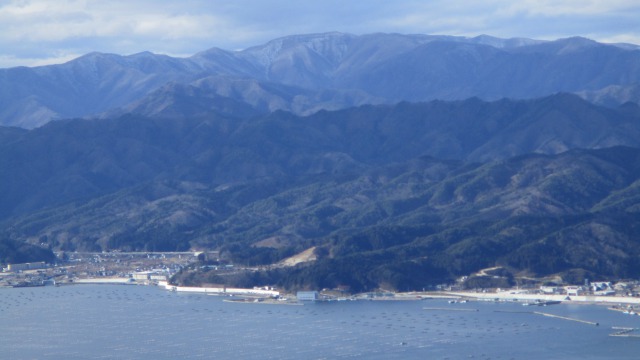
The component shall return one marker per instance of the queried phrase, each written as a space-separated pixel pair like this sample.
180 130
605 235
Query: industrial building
27 266
307 295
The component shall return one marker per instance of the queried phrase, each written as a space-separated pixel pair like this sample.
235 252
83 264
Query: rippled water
139 322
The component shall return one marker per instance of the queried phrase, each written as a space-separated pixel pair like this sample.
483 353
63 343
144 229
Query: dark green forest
397 196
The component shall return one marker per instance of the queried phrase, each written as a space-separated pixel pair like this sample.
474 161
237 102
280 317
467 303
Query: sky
41 32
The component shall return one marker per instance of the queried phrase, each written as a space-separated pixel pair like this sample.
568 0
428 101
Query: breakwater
548 315
565 318
624 332
218 290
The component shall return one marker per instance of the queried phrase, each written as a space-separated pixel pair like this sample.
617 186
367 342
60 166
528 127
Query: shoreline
563 299
400 296
218 290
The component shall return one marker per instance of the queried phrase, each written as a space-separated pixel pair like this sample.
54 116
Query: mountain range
397 161
447 187
307 73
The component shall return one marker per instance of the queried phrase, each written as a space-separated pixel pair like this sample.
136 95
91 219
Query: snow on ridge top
267 53
501 43
333 45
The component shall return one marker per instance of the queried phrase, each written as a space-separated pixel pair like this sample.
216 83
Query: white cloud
540 19
622 38
60 20
7 61
557 8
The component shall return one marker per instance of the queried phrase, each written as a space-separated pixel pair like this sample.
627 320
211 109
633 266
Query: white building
307 295
149 275
549 289
574 290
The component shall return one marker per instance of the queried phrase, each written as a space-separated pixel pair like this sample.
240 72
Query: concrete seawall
218 290
117 281
564 298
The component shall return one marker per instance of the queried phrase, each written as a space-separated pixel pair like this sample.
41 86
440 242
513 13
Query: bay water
145 322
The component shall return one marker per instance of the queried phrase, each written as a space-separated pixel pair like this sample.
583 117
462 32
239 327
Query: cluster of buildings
589 288
594 288
116 267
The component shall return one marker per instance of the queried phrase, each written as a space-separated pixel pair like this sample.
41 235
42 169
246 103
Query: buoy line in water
565 318
549 315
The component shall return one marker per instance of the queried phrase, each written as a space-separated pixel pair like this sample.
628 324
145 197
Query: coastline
106 281
218 290
400 296
579 299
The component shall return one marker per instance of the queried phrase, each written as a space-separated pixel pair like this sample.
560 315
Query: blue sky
42 32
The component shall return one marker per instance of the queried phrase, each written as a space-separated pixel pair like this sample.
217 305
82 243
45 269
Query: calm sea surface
140 322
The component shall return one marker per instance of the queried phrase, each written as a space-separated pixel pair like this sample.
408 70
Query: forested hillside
398 195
